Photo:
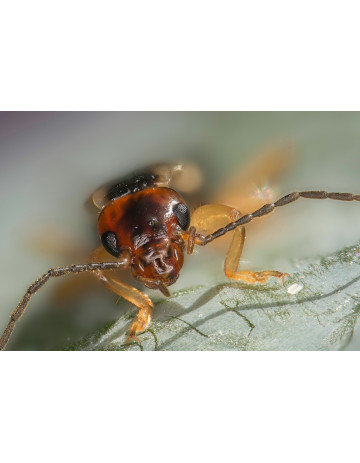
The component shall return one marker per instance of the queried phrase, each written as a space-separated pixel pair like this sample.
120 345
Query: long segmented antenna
267 208
193 238
54 272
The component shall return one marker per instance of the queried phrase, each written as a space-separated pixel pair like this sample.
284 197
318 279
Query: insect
145 225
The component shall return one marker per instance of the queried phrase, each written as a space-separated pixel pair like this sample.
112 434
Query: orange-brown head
148 224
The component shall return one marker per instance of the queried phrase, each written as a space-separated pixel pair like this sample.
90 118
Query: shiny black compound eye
110 243
183 215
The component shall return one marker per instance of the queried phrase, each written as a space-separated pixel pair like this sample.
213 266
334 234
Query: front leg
112 281
140 324
208 218
232 261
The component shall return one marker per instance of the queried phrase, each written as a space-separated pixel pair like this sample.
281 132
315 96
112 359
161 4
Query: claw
132 337
283 277
139 325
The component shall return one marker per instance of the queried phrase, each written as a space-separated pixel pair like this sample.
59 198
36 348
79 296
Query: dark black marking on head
183 215
109 241
134 184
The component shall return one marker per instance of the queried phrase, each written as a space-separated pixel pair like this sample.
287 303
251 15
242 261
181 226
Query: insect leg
99 197
112 281
205 219
54 272
232 260
211 216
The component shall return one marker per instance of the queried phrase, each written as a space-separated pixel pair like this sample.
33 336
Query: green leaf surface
234 316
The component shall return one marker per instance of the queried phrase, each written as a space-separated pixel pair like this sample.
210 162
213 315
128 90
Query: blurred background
50 164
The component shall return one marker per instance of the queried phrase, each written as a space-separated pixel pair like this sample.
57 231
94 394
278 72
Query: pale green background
51 164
